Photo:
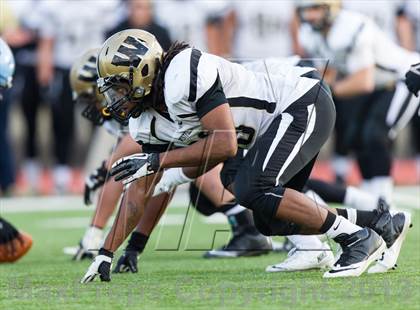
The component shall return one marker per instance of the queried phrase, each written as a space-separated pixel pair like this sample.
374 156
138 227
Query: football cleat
299 260
243 244
88 246
280 247
360 249
16 248
127 262
395 236
100 266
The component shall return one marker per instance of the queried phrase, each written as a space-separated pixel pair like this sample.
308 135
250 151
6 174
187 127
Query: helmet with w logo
83 81
127 64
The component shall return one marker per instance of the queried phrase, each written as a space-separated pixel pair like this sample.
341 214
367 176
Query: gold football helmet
331 7
83 77
127 64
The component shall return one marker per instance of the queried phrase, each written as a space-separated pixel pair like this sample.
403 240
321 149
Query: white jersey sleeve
362 53
192 85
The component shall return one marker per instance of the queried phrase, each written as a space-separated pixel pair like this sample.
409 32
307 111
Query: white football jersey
153 130
383 12
196 83
157 131
263 29
75 26
355 42
186 19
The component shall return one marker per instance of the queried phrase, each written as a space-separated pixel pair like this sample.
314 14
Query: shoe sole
397 244
359 270
326 265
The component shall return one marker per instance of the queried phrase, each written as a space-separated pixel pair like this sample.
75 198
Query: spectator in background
140 16
264 29
7 68
67 29
200 23
23 40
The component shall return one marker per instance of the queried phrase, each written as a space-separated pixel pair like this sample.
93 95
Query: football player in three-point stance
210 199
282 119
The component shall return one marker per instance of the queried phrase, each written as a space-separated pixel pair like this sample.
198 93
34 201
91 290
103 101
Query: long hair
158 100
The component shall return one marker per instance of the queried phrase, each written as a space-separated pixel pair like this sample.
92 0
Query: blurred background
47 147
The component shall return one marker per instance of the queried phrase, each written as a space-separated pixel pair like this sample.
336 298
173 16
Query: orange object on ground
21 247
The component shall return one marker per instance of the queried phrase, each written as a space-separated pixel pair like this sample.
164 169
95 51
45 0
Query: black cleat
241 245
360 249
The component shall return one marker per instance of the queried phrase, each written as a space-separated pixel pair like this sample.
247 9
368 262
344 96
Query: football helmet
83 78
127 64
331 7
7 65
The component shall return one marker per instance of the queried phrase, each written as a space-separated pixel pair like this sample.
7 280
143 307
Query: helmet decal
131 50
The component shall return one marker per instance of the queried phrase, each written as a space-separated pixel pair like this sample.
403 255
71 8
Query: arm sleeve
197 94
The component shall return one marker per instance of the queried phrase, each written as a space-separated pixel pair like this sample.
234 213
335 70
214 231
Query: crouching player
282 120
209 199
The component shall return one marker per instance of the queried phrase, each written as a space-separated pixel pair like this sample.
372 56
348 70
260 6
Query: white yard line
405 197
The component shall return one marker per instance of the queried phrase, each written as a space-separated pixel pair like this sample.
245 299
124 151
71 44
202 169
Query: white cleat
299 260
390 256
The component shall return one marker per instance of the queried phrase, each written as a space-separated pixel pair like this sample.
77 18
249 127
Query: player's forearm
361 82
405 33
214 149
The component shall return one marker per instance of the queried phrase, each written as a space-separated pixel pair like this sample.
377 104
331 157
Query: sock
358 217
340 225
328 192
306 242
242 222
93 238
380 186
359 199
341 166
383 186
105 252
234 209
137 242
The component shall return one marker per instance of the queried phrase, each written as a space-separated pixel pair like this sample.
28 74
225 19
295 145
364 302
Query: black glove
412 79
136 166
94 181
100 266
127 262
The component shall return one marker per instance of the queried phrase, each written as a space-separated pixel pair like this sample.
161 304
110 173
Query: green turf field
173 274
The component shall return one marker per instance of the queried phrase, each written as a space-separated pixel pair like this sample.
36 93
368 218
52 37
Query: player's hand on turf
136 166
94 181
100 266
412 79
127 262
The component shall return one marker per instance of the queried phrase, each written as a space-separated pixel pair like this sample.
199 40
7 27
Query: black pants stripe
283 156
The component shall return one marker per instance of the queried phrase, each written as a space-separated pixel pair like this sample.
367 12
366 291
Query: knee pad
274 227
